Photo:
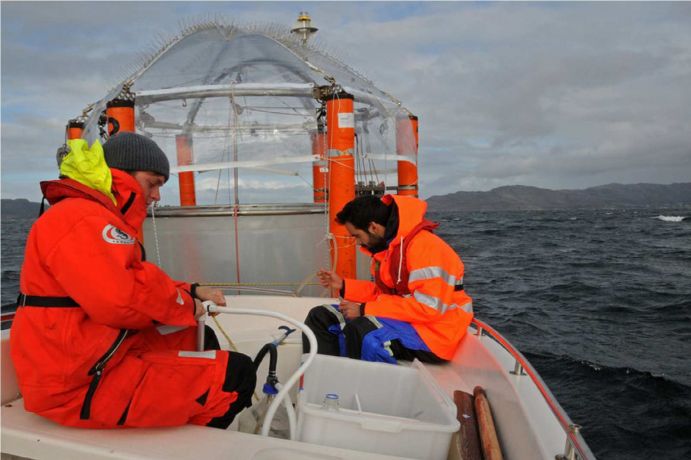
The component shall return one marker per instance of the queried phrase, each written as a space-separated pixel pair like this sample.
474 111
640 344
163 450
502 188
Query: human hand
199 309
349 310
329 279
208 293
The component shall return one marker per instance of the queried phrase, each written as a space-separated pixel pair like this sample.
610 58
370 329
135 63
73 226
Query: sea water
598 301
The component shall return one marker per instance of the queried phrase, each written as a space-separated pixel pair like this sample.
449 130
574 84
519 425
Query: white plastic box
387 409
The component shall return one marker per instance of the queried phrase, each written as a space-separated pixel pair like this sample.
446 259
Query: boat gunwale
574 437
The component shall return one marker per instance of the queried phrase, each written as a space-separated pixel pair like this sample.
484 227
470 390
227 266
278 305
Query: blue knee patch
375 346
335 329
374 349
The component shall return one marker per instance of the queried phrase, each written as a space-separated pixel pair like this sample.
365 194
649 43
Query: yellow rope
232 346
225 334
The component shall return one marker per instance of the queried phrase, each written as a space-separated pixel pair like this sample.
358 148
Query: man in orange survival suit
102 338
415 308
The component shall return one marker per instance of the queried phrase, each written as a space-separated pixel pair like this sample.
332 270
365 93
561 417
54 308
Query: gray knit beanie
134 152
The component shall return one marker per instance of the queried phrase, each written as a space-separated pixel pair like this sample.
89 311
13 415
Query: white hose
211 307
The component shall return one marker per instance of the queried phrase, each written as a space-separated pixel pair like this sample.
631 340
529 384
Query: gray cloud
562 95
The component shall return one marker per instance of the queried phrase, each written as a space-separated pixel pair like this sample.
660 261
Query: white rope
153 223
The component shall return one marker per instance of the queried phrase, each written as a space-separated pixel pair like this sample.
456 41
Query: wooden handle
468 442
488 434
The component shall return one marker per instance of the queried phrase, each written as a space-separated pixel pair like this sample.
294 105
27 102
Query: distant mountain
509 198
20 207
520 197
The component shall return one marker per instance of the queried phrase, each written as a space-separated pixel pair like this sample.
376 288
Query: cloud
563 95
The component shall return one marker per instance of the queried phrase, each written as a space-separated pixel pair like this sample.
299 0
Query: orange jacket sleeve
112 284
360 290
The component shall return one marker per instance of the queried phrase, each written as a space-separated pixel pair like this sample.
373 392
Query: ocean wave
671 218
548 363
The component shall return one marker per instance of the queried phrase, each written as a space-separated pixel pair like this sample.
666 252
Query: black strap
458 287
44 301
43 206
129 202
193 290
143 251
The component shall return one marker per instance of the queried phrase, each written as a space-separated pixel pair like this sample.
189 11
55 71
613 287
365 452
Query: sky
557 95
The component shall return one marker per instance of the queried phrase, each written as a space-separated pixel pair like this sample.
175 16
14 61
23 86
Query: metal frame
576 447
248 89
234 89
241 210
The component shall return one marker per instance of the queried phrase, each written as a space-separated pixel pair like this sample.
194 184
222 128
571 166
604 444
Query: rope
236 199
278 283
267 287
225 334
237 240
232 346
304 283
153 222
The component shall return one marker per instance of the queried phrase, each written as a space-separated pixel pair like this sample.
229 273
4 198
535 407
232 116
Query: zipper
97 372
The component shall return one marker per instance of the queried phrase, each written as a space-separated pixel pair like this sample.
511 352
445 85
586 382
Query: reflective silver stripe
337 314
331 153
428 273
211 354
165 330
387 347
430 301
438 305
465 307
374 320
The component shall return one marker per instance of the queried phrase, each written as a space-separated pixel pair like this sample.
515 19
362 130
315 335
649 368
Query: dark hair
363 210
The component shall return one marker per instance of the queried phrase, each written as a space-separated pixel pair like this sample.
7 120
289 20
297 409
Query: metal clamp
569 450
518 369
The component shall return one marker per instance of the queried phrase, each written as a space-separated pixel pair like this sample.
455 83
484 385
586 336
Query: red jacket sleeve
109 281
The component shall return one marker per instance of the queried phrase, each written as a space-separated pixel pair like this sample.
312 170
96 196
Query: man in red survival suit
102 338
415 307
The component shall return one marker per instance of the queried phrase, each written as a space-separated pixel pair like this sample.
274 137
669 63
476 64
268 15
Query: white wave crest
671 218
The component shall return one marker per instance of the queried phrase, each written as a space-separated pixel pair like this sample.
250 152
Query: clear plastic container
331 402
384 409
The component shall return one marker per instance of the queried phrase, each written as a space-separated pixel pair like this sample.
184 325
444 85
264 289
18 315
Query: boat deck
525 424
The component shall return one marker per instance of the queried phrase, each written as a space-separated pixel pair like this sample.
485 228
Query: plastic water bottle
331 402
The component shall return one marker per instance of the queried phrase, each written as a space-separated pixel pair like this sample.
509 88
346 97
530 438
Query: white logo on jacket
113 235
180 300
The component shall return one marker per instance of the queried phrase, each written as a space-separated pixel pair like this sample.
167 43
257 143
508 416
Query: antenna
303 27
